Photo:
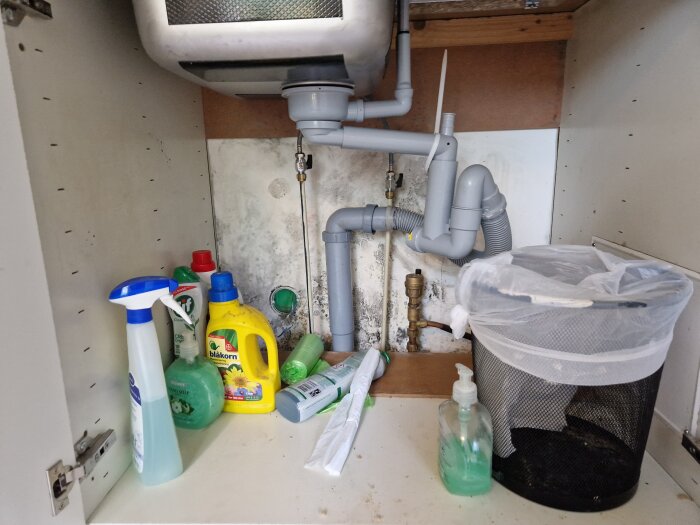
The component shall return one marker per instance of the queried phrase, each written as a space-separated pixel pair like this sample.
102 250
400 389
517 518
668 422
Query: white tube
305 232
441 92
301 401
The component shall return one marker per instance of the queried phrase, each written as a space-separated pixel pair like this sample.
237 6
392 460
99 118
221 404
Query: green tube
319 367
302 359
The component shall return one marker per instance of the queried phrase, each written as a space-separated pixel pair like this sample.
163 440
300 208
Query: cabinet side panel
627 168
35 432
119 173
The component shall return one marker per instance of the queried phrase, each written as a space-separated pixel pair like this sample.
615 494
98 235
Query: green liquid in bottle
196 392
463 471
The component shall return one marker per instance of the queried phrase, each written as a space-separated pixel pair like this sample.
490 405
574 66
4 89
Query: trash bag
572 314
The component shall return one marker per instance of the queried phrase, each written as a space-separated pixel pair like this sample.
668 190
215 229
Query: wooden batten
442 9
420 374
518 29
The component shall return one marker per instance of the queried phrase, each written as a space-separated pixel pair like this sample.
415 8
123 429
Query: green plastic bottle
466 439
195 388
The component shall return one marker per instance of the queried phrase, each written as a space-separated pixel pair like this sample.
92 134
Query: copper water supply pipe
414 291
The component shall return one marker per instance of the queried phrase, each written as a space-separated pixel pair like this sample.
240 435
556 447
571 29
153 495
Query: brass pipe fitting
414 291
300 165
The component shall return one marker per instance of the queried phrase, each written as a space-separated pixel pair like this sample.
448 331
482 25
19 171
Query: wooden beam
439 9
420 374
517 29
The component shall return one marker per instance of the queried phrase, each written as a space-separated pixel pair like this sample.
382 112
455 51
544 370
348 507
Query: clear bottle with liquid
195 388
154 443
466 439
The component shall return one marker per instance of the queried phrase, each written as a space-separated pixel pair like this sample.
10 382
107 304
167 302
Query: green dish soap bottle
466 439
195 388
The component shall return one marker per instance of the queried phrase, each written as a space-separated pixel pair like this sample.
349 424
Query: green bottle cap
284 300
183 274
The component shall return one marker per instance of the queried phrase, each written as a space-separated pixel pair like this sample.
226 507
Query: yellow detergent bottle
232 345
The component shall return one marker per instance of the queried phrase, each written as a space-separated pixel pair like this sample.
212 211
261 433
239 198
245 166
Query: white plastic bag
572 314
333 446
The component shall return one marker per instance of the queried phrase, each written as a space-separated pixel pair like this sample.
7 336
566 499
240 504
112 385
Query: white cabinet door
34 426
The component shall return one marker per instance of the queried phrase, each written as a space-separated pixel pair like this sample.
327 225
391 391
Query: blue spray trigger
138 295
139 285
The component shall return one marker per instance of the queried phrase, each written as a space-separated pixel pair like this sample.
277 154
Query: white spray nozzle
464 389
139 294
171 303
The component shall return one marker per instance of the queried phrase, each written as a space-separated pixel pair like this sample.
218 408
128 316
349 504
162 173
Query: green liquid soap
464 472
466 440
195 388
162 460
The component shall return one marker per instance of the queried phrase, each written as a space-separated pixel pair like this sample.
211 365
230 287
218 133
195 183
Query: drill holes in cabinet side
109 137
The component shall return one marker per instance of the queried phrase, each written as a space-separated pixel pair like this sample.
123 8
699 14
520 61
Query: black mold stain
401 337
435 291
367 317
320 298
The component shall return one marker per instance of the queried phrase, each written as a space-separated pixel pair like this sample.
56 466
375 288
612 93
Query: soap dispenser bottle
154 443
195 387
466 439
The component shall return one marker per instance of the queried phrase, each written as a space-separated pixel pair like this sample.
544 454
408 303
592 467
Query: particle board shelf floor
250 469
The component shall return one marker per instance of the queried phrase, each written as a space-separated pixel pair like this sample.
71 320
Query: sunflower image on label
222 350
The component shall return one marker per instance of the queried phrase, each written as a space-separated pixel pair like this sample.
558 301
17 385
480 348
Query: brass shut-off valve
414 291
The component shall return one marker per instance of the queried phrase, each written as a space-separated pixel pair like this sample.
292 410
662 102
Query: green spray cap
183 274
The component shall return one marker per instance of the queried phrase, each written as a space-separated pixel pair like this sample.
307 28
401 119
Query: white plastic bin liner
572 315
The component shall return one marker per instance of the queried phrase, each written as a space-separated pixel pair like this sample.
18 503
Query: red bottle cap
202 261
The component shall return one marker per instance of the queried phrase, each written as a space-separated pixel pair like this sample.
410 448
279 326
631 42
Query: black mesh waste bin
569 345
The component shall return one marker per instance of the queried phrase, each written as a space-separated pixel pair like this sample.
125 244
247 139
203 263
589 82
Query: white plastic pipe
441 92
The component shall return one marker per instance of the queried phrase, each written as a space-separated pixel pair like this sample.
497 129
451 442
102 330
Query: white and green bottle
155 449
466 439
192 297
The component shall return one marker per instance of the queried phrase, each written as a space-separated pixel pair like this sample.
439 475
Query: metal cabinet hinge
691 445
13 11
62 478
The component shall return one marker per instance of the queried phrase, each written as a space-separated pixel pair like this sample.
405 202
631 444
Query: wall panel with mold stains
259 235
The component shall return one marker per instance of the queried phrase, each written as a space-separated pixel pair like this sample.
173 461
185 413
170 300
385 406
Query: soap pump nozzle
464 389
189 349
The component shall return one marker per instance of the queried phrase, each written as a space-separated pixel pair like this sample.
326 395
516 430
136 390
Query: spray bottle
155 448
466 439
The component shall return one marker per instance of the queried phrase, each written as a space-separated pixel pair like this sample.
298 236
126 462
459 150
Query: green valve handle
302 360
284 300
